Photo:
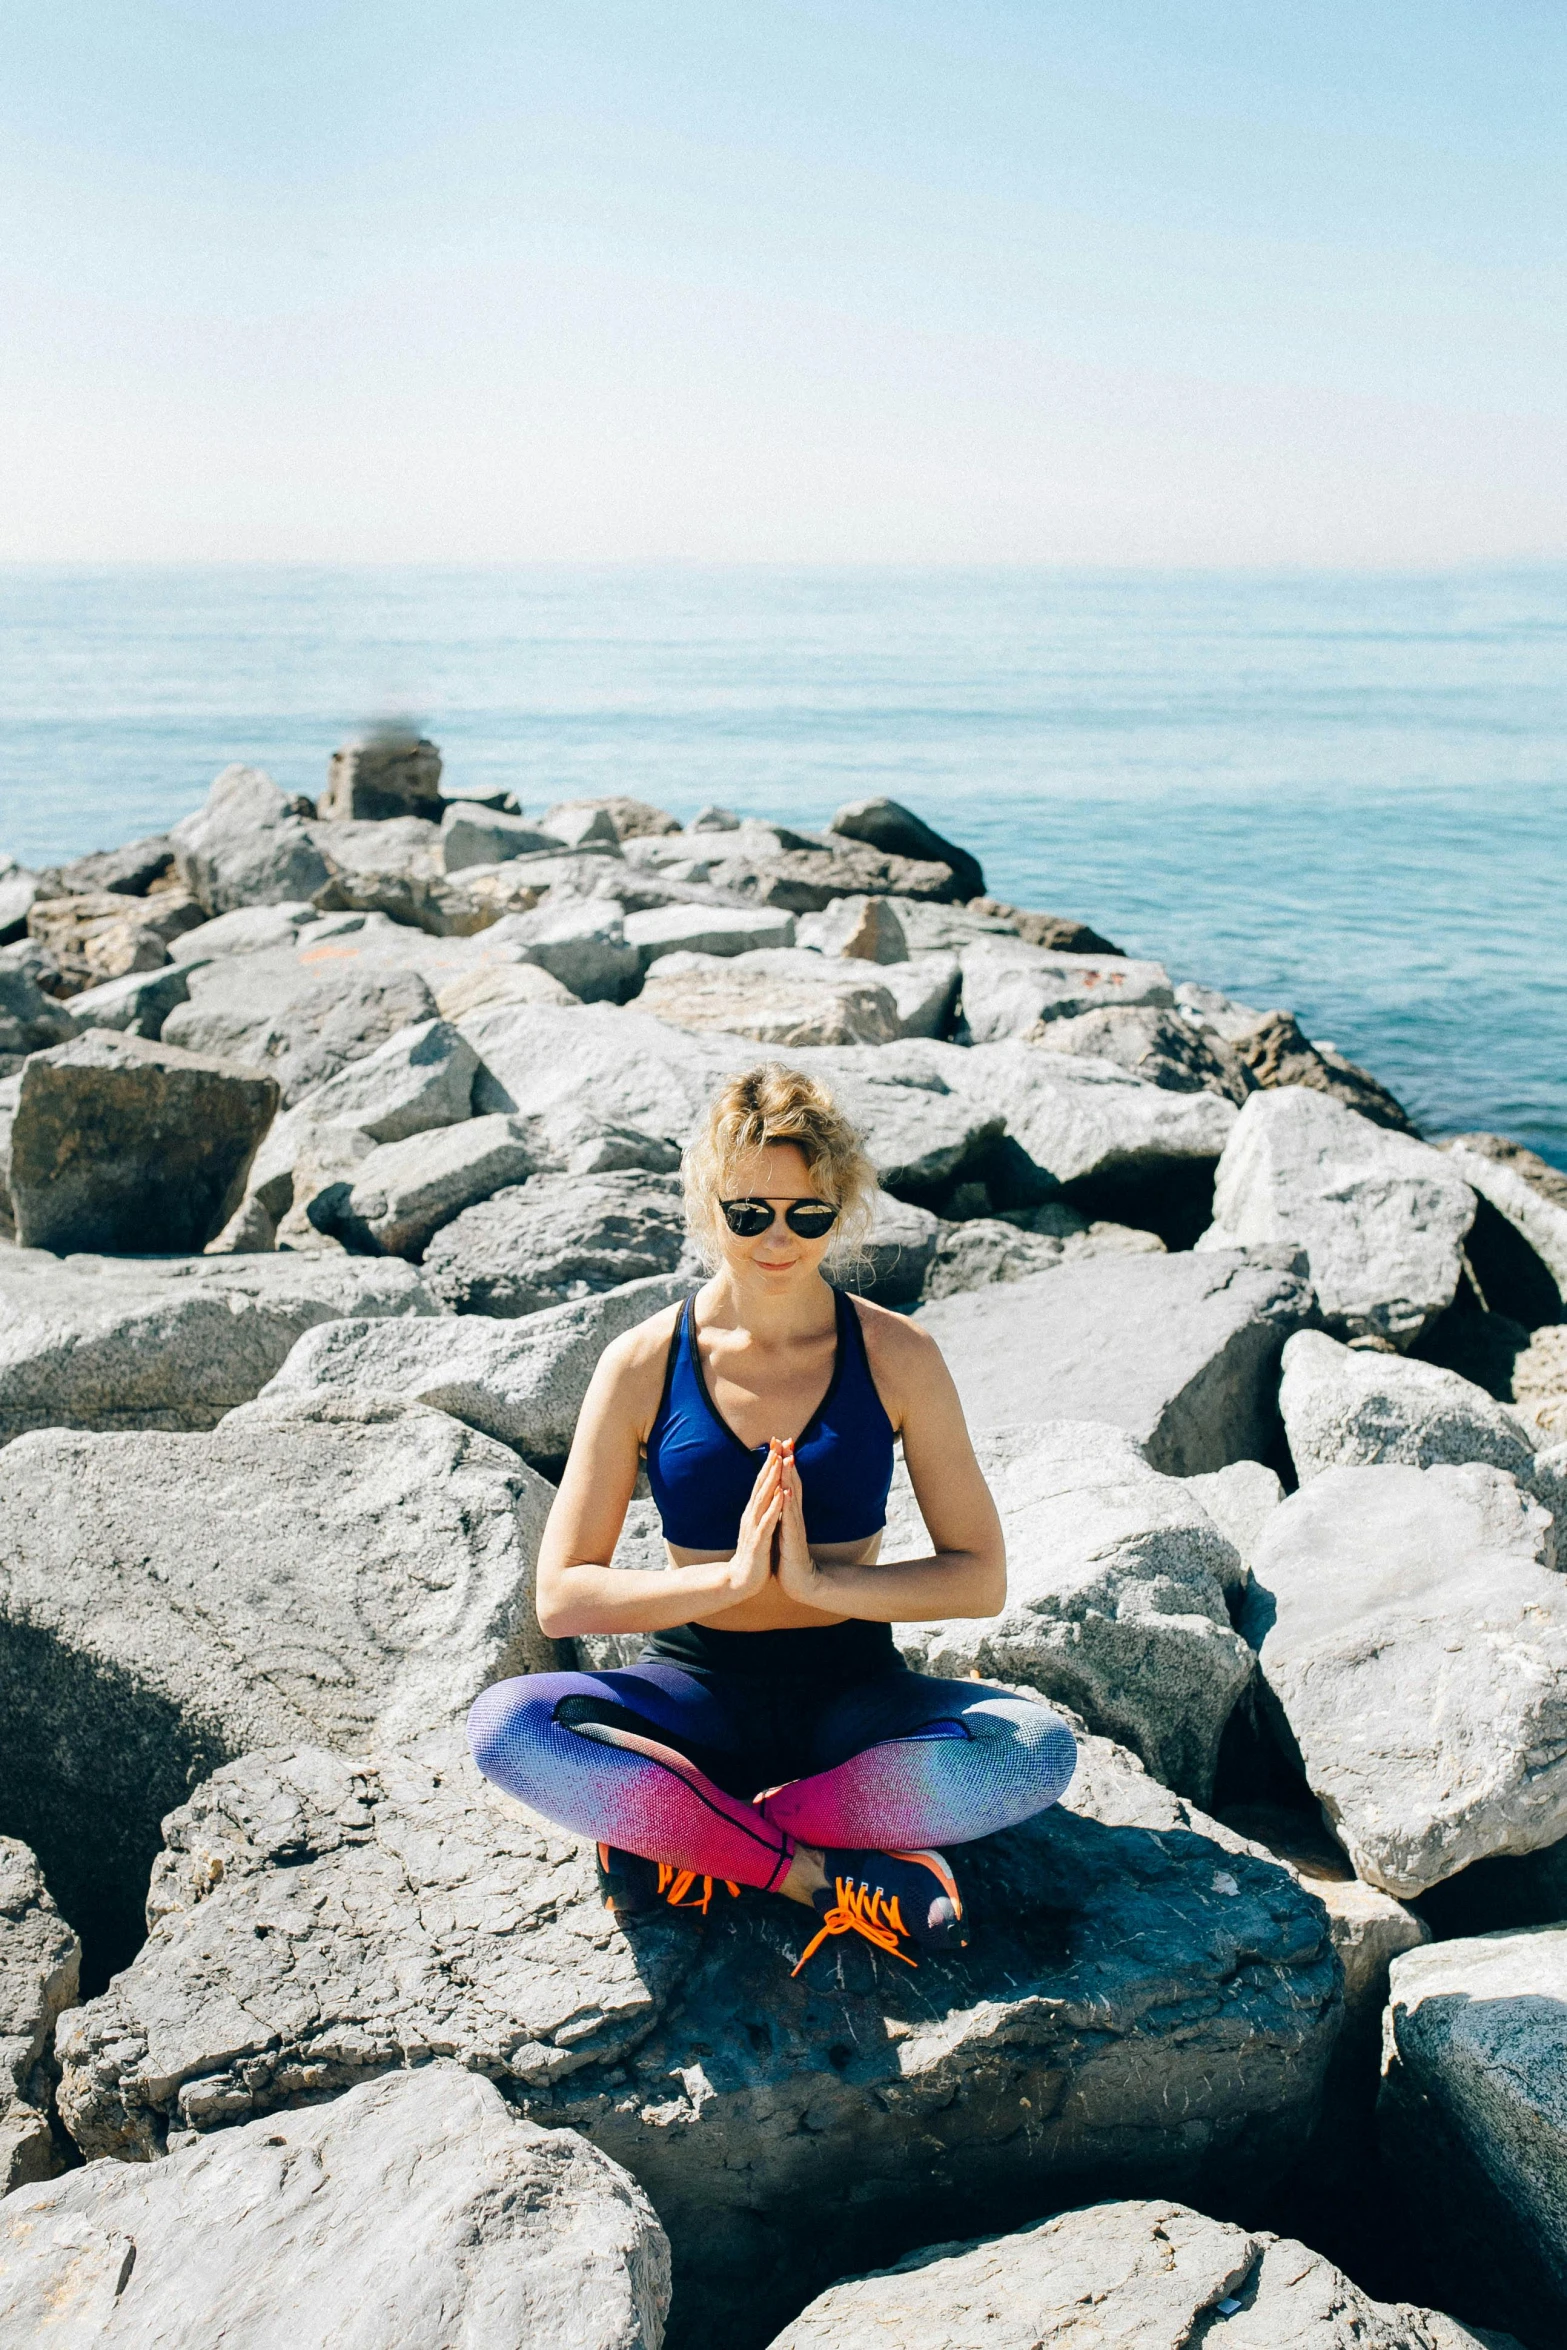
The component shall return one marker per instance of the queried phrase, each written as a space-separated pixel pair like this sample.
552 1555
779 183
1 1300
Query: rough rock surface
1521 1187
1370 1928
130 870
833 1003
1156 1045
1381 1217
1147 2002
1009 985
1181 1351
323 1567
291 1012
502 983
114 1343
557 1237
627 818
420 1078
1129 2276
803 873
1115 1596
985 1249
129 1146
1413 1637
522 1381
886 824
864 930
40 1968
248 846
1240 1500
404 1192
417 2211
1473 2119
1539 1383
893 1262
1081 1120
1347 1407
473 835
707 930
104 936
386 776
30 1021
140 1002
1277 1054
1062 933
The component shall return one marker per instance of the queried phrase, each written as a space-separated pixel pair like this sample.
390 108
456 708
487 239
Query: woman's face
778 1257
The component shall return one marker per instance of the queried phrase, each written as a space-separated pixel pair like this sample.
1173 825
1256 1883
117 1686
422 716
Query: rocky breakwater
335 1147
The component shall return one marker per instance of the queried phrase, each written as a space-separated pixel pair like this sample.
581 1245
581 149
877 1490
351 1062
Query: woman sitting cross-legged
769 1734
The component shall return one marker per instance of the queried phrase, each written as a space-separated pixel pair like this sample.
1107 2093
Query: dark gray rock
892 1263
1278 1054
30 1021
1181 1351
1147 2004
885 824
971 1255
130 1147
248 846
40 1971
389 774
806 879
1153 1044
139 1003
1062 933
18 893
485 836
554 1238
403 1192
416 2211
131 870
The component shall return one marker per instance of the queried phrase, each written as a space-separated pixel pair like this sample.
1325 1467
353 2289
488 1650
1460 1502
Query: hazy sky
1185 282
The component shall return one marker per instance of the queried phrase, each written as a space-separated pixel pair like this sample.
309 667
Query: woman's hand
797 1570
751 1569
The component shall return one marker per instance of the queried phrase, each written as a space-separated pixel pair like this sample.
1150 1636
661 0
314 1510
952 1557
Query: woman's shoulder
897 1348
644 1345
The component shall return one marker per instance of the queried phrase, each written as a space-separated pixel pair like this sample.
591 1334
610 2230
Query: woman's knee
508 1724
1038 1743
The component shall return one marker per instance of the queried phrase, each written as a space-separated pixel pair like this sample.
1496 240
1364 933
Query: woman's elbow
992 1585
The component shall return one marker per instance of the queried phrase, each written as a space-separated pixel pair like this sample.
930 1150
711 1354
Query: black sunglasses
748 1219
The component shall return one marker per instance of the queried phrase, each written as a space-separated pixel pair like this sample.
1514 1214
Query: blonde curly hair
772 1104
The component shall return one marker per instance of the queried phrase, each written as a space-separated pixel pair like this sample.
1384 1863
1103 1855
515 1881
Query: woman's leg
912 1762
594 1751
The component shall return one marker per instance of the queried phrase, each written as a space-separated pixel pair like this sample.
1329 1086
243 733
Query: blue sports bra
701 1474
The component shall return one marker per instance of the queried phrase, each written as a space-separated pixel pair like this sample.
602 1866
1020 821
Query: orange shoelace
860 1909
675 1884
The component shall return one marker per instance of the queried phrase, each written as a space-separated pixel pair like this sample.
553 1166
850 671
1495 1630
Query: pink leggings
723 1775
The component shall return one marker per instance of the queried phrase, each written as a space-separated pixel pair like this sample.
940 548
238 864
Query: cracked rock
40 1966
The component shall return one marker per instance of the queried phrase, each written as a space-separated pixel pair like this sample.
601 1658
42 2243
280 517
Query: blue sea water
1344 794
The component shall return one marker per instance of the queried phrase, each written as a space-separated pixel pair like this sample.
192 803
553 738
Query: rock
393 868
30 1021
947 929
250 1231
1539 1383
248 846
167 1342
541 1243
18 892
1180 1351
1149 2276
40 1969
404 1192
139 1003
481 836
583 945
1240 1500
730 930
1277 1054
736 997
1344 1407
420 1078
1156 1045
1059 932
924 991
1215 1014
131 871
986 1249
1413 1638
1163 1996
1115 1601
389 774
251 930
334 1569
416 2210
806 879
502 983
131 1147
1532 1199
863 930
87 940
893 1262
1009 986
714 819
580 822
1088 1123
628 819
521 1381
1381 1217
302 1022
1471 2120
884 824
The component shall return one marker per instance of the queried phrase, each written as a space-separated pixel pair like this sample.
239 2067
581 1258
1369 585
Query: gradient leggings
724 1775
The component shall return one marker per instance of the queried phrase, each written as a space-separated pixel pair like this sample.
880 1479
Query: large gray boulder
707 930
140 1002
248 846
892 1263
418 2210
1528 1194
1277 1053
1412 1637
1240 1500
1381 1217
803 872
1180 1351
131 1147
333 1568
402 1194
1130 2276
1473 2122
1010 986
30 1021
1082 1120
40 1973
1163 1996
389 774
1158 1046
1115 1606
422 1077
784 997
289 1011
472 835
115 1343
886 824
130 870
984 1249
557 1237
1349 1407
521 1381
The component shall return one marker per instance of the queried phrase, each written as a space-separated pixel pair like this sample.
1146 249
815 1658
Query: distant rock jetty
336 1141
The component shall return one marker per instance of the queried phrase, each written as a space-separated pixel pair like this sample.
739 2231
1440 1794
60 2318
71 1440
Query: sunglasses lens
811 1219
746 1218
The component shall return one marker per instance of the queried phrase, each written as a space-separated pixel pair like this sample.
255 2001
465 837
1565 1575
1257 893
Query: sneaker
889 1897
634 1886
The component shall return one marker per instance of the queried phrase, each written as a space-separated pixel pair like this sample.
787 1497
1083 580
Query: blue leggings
723 1774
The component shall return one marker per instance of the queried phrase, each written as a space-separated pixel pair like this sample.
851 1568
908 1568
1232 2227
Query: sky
1181 284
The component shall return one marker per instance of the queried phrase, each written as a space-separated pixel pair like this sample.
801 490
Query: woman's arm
578 1589
966 1574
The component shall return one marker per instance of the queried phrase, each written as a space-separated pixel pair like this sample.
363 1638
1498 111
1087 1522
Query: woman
770 1734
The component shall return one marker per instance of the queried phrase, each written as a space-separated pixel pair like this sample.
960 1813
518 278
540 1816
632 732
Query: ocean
1345 794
